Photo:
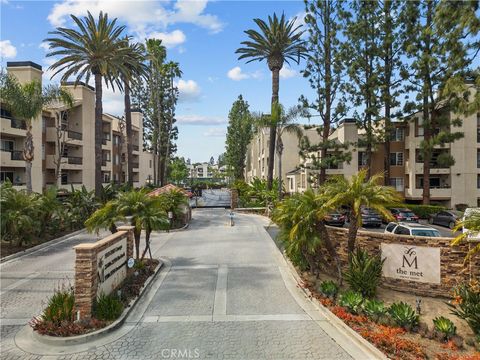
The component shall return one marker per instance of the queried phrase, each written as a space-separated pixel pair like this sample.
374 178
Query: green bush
60 306
352 301
328 288
422 211
466 306
364 273
107 307
445 326
403 315
374 309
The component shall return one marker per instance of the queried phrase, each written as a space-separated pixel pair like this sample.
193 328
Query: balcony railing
74 135
14 154
104 162
135 165
136 147
18 124
75 160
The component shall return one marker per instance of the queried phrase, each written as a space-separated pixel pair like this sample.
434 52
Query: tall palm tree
96 48
278 42
26 101
360 191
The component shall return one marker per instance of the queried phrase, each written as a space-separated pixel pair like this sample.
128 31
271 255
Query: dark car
335 219
403 214
371 218
447 218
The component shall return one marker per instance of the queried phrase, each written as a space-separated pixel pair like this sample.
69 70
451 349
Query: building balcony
75 160
136 148
12 158
67 162
73 137
12 126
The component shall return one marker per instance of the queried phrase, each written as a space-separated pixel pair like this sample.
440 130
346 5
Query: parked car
335 219
371 218
403 214
411 229
447 218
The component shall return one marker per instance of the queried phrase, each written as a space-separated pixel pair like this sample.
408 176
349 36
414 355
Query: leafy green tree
239 134
324 70
361 54
26 101
178 171
97 48
442 42
360 191
278 42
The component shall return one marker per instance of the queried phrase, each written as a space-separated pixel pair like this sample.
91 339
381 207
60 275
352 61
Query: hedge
422 211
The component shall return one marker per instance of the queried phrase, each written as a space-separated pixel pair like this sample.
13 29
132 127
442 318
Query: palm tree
470 227
97 49
26 101
360 191
277 42
104 218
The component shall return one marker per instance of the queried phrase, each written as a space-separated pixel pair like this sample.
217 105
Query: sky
201 35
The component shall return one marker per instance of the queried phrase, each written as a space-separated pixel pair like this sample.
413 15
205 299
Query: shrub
364 272
424 211
329 288
466 305
60 306
107 307
374 309
403 315
352 301
445 327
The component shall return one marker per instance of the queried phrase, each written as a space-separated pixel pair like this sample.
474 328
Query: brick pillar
234 198
130 239
86 281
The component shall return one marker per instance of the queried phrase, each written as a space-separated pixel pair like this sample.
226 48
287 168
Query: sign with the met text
410 262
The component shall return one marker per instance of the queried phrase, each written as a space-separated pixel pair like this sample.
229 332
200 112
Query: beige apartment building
449 185
76 130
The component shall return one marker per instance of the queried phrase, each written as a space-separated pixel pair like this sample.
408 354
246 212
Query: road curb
54 341
361 349
40 246
184 227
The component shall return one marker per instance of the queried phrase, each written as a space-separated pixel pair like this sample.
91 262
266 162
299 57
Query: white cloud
44 46
170 39
215 132
141 16
236 74
300 21
286 72
200 120
189 90
7 50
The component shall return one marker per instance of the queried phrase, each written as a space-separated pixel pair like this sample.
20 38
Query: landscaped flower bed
396 330
58 318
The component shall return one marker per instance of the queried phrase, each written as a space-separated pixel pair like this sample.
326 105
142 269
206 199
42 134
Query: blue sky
202 36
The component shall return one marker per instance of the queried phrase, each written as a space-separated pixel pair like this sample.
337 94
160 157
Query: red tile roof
167 188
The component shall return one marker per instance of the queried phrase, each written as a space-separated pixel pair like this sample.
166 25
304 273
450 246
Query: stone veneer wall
234 198
452 269
86 279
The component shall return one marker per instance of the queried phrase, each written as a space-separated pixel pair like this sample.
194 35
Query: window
397 134
106 177
7 145
478 158
396 159
390 227
6 175
400 230
397 183
43 151
64 178
478 181
150 163
362 158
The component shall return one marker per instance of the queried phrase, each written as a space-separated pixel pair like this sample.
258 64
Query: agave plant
403 315
445 326
352 301
374 309
329 288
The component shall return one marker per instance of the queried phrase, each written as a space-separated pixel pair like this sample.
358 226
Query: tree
278 42
97 48
177 170
239 134
26 101
360 191
470 228
441 44
324 70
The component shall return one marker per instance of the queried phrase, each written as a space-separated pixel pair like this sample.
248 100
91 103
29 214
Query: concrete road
225 293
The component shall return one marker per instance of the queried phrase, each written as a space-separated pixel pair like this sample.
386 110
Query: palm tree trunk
273 128
98 135
128 123
279 152
169 128
322 230
352 233
28 156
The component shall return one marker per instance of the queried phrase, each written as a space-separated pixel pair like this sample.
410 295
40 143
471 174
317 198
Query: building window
478 181
397 183
362 158
43 151
6 175
478 158
397 134
396 159
150 163
7 145
64 178
106 177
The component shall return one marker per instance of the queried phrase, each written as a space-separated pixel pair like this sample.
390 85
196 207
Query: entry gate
212 198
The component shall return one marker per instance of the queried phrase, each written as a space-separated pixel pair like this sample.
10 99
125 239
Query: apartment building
449 185
257 154
206 171
75 127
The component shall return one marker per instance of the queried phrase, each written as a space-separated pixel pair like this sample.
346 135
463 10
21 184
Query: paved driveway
224 294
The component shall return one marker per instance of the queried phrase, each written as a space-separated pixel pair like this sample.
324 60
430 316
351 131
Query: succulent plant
445 327
403 315
374 309
352 301
328 288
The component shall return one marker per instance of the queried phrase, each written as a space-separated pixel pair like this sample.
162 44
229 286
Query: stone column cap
125 227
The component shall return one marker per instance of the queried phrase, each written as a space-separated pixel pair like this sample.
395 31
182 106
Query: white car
411 229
